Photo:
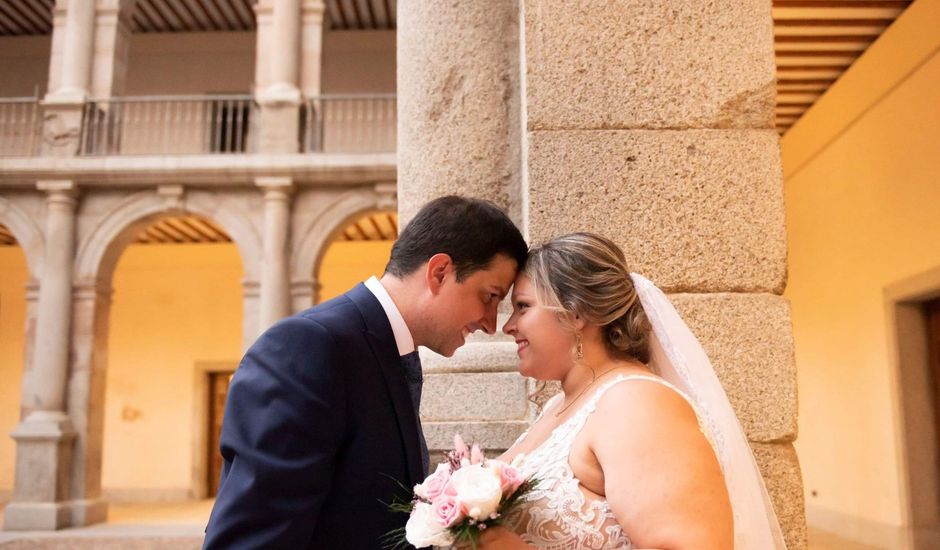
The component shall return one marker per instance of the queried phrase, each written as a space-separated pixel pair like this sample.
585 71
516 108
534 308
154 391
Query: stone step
108 537
63 542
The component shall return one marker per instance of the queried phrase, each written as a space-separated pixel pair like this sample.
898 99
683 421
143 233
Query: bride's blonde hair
586 275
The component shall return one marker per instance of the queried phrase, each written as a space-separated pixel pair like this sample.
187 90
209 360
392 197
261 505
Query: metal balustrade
168 125
199 125
20 126
350 124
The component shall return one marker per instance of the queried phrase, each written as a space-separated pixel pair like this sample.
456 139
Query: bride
640 449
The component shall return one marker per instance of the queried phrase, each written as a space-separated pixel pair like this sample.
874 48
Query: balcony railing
350 124
199 125
20 126
167 125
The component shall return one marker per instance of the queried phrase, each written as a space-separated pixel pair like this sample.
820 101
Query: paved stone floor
179 525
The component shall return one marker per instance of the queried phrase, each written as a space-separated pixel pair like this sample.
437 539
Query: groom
321 423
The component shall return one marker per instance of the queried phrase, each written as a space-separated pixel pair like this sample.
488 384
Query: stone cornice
211 170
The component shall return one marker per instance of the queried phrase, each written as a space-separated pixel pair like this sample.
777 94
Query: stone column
304 293
111 48
73 37
311 46
458 125
275 287
44 437
78 50
29 341
251 312
277 75
86 391
458 132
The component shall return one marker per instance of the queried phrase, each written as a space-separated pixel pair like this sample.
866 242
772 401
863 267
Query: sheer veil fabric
678 357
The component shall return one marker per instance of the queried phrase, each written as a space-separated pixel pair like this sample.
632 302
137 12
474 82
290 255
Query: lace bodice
558 514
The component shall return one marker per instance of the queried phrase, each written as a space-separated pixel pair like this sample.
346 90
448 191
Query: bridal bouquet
464 496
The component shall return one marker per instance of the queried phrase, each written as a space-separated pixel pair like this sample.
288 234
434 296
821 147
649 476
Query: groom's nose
488 322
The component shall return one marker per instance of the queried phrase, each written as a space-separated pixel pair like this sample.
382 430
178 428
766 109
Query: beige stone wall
648 122
191 63
24 64
660 138
224 62
358 62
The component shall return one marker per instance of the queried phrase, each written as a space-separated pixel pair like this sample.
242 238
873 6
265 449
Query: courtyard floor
181 524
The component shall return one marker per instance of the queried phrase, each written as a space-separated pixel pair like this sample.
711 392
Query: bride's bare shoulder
644 397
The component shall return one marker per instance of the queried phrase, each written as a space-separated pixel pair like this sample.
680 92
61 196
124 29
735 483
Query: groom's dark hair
471 231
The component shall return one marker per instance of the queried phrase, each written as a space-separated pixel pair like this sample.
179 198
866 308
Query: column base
88 512
37 516
52 516
43 458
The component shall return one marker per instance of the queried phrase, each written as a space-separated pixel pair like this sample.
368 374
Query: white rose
478 489
422 532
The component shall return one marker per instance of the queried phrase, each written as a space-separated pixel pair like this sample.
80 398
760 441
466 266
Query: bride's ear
578 322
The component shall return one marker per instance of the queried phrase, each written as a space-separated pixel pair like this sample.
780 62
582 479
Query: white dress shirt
403 338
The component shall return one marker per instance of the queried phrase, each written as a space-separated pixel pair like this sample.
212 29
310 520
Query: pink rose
460 448
435 484
509 478
446 510
476 454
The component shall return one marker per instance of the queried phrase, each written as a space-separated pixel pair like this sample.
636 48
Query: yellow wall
349 262
863 212
13 277
173 306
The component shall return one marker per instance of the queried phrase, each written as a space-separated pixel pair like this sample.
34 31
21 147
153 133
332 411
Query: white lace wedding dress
558 515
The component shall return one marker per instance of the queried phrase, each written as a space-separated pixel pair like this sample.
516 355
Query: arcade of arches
174 337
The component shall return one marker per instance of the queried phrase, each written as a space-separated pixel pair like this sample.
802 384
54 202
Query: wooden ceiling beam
811 68
818 53
822 81
825 38
201 13
828 4
380 10
820 22
180 227
246 15
162 227
366 17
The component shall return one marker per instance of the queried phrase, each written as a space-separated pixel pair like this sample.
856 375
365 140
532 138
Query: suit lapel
381 339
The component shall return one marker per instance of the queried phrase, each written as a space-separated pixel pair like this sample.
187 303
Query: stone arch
313 242
99 251
28 234
97 256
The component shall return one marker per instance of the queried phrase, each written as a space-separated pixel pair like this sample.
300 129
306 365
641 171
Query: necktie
412 365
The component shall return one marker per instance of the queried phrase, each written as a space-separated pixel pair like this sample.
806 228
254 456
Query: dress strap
592 404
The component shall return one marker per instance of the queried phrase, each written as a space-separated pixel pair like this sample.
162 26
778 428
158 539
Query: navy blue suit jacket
319 430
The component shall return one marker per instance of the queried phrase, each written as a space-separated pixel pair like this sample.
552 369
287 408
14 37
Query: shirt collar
403 338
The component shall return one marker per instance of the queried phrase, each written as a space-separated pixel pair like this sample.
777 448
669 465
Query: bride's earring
579 353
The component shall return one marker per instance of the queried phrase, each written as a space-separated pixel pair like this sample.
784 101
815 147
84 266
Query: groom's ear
438 268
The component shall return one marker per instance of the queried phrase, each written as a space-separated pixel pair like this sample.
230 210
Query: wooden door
933 349
218 391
